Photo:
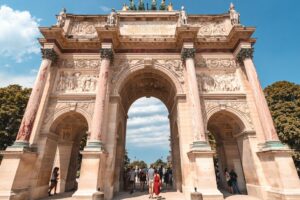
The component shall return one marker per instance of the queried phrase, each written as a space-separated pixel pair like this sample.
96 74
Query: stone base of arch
15 173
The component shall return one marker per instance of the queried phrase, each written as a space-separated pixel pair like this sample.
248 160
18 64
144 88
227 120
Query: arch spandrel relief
56 109
216 63
124 67
240 108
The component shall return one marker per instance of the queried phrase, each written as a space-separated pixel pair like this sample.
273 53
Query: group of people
152 177
231 179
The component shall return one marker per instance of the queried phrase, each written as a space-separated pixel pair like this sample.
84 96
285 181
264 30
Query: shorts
151 183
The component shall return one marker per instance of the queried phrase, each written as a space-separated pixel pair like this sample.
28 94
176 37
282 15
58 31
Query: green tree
284 102
13 101
158 163
140 163
126 160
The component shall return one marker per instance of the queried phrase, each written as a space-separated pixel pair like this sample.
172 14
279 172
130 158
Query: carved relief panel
84 29
216 63
219 82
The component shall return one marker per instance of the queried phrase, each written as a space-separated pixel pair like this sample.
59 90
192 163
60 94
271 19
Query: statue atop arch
234 15
61 18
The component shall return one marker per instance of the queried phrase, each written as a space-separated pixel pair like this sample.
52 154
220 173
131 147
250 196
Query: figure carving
80 63
111 19
183 16
234 15
175 66
219 82
76 82
61 18
84 29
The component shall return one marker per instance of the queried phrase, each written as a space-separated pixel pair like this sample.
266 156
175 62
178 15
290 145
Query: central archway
147 82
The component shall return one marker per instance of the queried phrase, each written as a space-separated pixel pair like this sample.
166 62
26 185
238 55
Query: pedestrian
157 184
131 180
166 177
142 176
150 177
233 178
228 180
53 181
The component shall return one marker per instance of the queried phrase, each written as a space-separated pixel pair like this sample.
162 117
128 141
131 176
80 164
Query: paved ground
241 197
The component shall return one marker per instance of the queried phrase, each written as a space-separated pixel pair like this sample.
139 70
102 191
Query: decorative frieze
188 53
69 82
216 63
212 29
244 53
92 64
219 82
49 54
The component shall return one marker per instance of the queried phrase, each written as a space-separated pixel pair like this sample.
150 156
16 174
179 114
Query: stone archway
70 128
226 128
146 82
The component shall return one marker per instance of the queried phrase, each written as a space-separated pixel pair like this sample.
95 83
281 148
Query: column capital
188 53
244 53
107 53
49 54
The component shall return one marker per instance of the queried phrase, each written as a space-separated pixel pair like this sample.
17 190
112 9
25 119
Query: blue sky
277 50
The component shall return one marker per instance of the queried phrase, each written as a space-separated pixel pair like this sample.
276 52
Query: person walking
157 184
53 181
228 180
142 176
167 177
150 177
132 180
234 184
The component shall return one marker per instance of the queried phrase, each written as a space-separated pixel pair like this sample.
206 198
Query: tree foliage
13 101
284 102
158 163
139 163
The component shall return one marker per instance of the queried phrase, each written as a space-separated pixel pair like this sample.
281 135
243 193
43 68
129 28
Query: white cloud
105 8
148 124
23 80
18 35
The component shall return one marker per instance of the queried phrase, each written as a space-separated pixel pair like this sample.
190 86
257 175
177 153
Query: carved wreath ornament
244 53
107 54
49 54
188 53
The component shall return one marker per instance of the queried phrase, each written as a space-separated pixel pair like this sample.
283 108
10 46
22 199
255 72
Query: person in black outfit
53 181
234 184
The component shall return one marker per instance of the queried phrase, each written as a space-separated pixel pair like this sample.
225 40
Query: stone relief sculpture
183 16
76 82
219 82
175 66
212 29
216 63
61 18
84 29
234 15
240 106
111 19
80 63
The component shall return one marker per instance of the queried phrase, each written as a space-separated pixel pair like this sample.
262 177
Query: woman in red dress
157 182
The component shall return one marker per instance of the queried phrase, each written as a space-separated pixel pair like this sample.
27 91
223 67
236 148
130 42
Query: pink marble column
188 55
98 117
245 57
25 129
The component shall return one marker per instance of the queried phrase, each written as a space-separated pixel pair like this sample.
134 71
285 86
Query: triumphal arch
95 66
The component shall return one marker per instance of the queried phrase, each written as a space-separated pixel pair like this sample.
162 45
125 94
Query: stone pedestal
89 173
196 196
204 174
280 172
15 173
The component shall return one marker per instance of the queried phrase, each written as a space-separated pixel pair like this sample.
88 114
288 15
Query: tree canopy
13 101
284 102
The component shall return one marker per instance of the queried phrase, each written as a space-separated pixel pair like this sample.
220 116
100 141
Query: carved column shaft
98 116
245 56
26 126
188 55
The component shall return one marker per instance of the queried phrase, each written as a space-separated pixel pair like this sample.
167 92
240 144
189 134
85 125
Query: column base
15 173
273 145
200 146
94 146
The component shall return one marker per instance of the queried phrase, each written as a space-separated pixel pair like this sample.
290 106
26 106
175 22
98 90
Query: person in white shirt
150 177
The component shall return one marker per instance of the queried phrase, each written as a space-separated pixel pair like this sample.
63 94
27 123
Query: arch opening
225 129
71 135
152 84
